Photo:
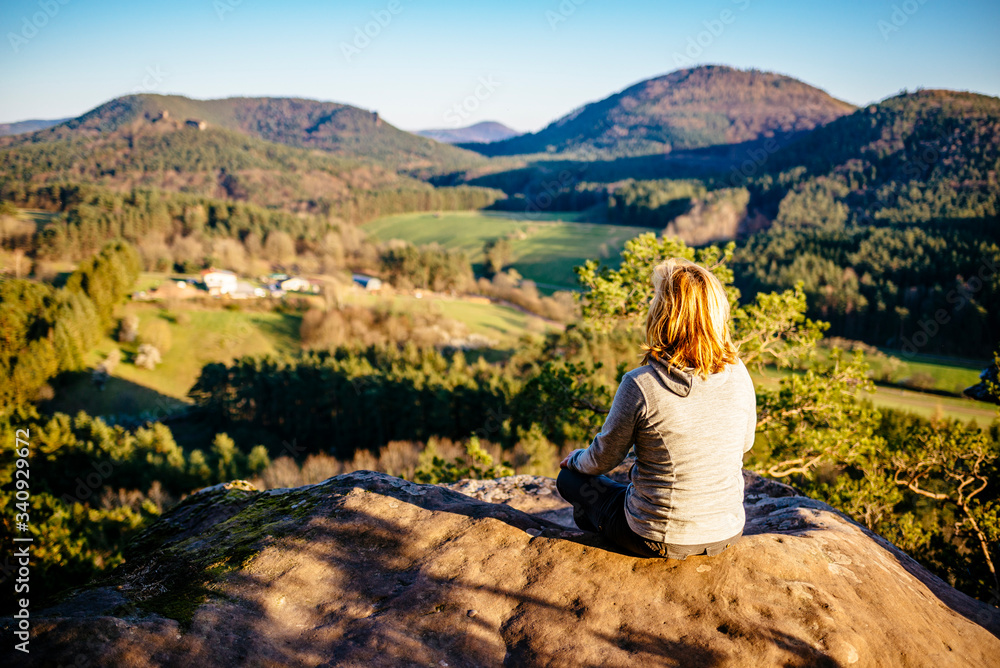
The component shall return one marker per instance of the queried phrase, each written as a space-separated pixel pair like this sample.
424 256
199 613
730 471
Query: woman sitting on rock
691 414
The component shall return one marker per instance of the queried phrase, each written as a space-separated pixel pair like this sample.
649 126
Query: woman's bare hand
564 464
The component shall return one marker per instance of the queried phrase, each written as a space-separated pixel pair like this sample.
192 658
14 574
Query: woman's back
689 445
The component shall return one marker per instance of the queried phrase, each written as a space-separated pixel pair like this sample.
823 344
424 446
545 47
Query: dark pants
599 506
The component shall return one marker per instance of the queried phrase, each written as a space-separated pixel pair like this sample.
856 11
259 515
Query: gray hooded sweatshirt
690 434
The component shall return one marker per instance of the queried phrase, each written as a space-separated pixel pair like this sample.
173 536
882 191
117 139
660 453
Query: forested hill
337 128
917 157
686 109
891 219
214 162
136 141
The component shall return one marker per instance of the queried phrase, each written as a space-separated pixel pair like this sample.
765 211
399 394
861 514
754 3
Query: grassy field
920 372
544 249
150 279
202 335
502 323
951 375
199 336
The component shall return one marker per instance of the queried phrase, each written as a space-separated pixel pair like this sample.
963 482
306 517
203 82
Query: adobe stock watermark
22 543
242 332
539 202
154 76
901 13
223 7
31 25
696 44
925 159
292 448
361 383
495 420
756 158
960 297
915 168
461 111
363 35
90 482
562 12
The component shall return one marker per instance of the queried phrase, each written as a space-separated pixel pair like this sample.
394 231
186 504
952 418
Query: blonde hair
688 320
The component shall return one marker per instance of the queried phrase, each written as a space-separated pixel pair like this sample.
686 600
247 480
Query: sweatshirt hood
677 380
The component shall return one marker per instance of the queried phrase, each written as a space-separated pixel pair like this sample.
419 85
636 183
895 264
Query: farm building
219 281
367 282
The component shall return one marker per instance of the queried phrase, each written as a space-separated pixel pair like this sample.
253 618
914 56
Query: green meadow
544 249
504 324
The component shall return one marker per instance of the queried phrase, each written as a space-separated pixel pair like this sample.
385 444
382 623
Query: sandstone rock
366 569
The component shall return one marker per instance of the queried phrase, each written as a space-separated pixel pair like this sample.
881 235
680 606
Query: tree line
47 330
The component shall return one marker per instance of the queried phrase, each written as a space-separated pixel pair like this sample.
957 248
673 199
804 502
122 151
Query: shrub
148 357
477 465
128 328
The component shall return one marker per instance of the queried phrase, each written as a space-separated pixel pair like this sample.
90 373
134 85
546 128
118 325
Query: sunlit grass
199 336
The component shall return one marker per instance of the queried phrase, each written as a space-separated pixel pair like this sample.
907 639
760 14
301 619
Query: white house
295 284
219 281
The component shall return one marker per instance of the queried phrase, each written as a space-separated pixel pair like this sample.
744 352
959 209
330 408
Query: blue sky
520 62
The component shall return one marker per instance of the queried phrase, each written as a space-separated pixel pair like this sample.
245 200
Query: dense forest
889 216
47 330
914 289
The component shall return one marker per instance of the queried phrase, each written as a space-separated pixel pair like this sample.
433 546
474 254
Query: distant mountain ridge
171 155
692 123
20 127
327 126
485 133
685 109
